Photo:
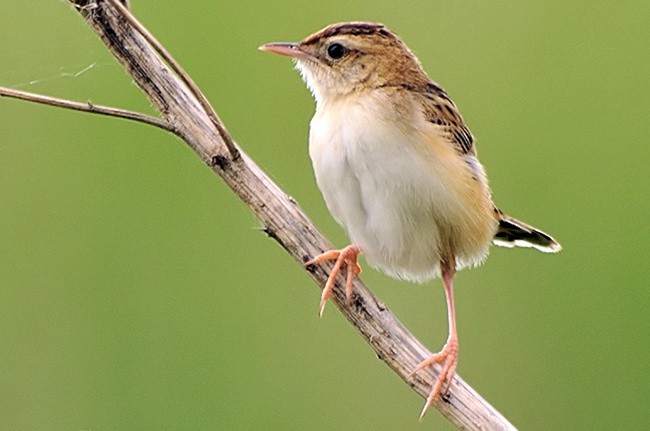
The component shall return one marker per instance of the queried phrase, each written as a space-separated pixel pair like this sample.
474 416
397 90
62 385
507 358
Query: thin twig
157 46
183 110
86 107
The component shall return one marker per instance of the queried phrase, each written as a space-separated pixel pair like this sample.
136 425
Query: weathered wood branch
184 113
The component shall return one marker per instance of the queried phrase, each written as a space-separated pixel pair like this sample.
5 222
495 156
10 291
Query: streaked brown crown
354 28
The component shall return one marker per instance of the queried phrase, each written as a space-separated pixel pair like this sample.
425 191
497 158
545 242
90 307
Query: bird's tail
514 233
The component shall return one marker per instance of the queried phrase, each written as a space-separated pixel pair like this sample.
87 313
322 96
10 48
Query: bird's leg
348 255
448 356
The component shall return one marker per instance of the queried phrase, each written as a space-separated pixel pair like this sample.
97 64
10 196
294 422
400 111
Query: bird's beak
285 48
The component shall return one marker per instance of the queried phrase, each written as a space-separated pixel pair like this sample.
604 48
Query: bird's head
350 57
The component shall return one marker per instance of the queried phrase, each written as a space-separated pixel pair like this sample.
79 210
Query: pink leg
448 356
347 255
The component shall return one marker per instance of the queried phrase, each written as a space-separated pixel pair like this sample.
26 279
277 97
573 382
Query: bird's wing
439 109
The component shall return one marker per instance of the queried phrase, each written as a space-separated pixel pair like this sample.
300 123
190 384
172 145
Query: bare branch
157 46
185 112
86 107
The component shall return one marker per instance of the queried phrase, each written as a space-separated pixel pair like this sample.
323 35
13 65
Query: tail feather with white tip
515 233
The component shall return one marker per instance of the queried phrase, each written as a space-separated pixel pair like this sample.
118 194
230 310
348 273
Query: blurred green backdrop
137 293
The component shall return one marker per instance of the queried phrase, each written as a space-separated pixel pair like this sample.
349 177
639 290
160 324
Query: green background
137 293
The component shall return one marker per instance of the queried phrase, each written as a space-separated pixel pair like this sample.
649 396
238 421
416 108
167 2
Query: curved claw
449 357
347 255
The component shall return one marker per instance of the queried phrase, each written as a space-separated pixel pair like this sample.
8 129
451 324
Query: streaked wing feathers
441 110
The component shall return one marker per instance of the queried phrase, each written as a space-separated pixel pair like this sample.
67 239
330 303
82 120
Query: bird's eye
336 51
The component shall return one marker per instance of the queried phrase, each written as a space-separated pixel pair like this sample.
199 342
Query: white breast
383 184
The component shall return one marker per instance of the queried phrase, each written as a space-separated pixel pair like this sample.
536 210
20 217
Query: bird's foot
448 358
346 255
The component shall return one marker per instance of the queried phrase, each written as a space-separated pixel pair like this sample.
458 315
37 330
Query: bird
397 167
